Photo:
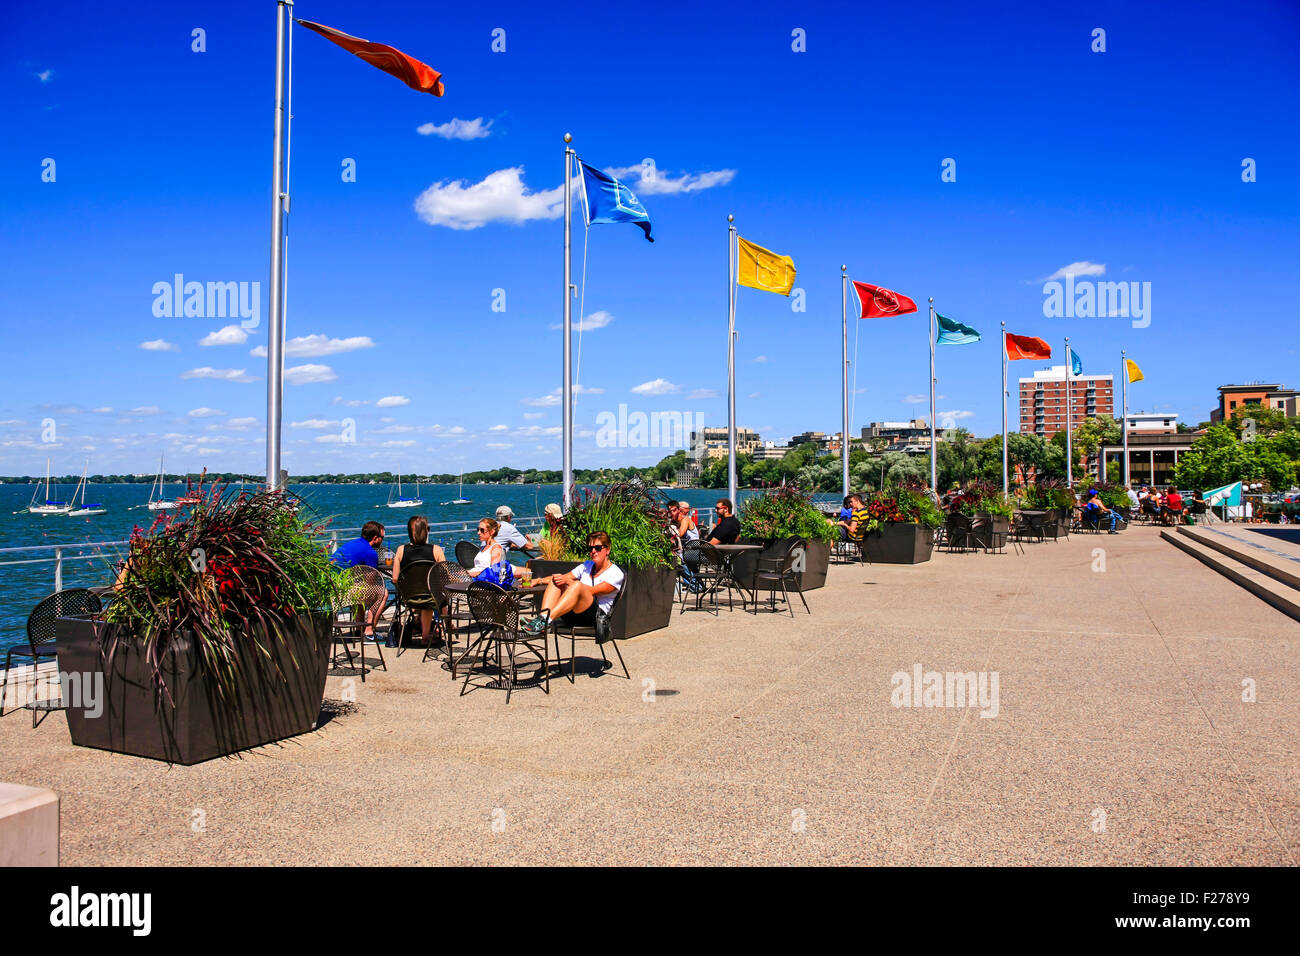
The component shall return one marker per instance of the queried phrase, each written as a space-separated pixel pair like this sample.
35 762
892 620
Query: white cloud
158 345
755 394
499 444
391 429
596 320
326 439
316 423
392 401
1084 268
953 416
309 374
658 386
705 393
204 412
547 401
761 359
399 444
227 335
919 399
44 76
145 410
208 451
661 183
476 128
500 197
238 424
314 346
533 416
106 410
223 374
499 428
354 403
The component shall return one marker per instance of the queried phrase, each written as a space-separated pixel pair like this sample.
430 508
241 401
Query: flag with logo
418 76
1076 366
1134 373
878 302
952 332
763 269
1026 347
606 199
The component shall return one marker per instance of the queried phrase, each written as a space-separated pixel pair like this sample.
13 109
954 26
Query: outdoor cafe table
729 552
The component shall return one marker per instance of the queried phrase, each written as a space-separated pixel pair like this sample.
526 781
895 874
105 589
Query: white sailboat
399 501
82 510
50 506
160 503
461 500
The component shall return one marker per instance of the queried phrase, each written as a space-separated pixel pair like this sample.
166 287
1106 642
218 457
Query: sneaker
538 625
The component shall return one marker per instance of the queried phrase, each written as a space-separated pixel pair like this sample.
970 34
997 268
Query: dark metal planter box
898 543
196 724
816 561
645 605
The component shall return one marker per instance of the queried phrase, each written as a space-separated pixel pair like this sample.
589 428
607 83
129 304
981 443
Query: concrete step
1279 594
1265 561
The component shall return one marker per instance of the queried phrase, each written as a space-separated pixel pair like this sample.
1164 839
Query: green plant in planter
908 505
785 512
1055 494
227 572
999 504
635 518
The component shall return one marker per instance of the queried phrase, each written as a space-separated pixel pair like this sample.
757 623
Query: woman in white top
686 527
489 552
583 595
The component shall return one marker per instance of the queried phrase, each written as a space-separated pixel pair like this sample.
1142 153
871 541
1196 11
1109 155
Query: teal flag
1076 367
952 332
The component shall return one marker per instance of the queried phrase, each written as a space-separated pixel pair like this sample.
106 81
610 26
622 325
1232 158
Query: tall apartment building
711 442
1042 400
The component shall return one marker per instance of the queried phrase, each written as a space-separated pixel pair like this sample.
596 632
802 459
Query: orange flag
1027 347
416 75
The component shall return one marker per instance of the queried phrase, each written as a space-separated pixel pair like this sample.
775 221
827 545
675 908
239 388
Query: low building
805 437
1152 456
710 443
770 451
1152 423
917 428
1232 397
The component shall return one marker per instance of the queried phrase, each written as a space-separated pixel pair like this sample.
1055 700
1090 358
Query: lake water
347 507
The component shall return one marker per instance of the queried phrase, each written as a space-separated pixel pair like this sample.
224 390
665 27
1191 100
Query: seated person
684 521
584 596
490 564
857 515
845 515
1096 508
419 549
362 550
1133 499
727 530
550 526
1173 505
508 535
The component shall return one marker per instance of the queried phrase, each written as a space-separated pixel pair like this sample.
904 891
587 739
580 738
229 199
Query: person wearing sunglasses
490 564
583 596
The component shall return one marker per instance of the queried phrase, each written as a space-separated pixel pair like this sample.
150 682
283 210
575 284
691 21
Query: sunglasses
595 547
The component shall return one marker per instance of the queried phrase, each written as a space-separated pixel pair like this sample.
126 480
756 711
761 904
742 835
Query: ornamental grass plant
635 518
784 512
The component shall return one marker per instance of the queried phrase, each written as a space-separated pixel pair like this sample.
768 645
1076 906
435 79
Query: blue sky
1129 160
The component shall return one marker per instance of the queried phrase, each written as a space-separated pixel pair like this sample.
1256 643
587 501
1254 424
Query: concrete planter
816 561
195 724
645 605
897 543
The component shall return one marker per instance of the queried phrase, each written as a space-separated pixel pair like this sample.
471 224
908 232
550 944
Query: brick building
1042 400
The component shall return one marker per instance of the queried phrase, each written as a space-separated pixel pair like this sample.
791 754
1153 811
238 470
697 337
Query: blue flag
608 200
952 332
1076 367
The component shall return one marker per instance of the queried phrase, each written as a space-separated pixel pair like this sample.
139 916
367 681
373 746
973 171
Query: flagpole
1069 439
844 313
934 453
731 361
1005 485
566 387
1123 427
275 325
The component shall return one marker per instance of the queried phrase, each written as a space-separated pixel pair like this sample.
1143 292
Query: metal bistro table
729 553
533 592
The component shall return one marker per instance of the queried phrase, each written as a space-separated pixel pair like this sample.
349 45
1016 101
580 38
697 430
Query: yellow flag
1134 373
763 269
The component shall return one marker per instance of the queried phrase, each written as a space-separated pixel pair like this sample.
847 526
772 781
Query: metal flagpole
1069 439
934 452
1005 486
844 313
566 387
1123 426
731 360
275 326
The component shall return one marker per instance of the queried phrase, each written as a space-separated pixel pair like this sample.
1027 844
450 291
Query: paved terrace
1120 693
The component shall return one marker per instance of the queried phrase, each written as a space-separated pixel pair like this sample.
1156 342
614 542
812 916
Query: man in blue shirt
362 550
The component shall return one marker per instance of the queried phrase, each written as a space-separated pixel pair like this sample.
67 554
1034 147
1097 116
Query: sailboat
461 499
83 509
399 501
49 507
160 503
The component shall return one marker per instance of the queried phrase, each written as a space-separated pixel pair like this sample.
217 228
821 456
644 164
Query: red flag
1027 347
878 303
416 75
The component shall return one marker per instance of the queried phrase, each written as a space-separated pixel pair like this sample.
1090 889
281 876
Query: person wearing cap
550 527
508 535
1096 506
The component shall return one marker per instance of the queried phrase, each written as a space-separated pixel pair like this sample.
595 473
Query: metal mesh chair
450 613
958 529
41 624
414 594
364 589
707 564
773 573
577 632
466 552
496 614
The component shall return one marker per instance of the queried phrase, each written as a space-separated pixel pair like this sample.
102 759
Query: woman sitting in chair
490 564
417 530
584 595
